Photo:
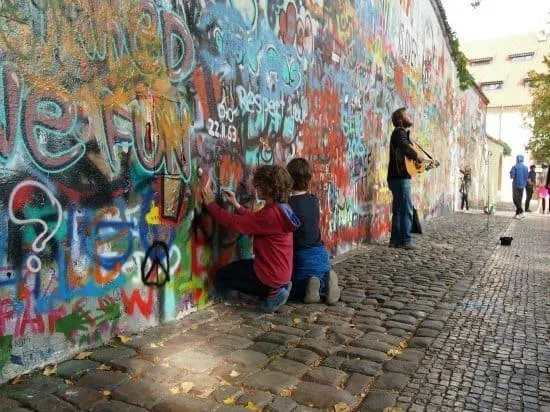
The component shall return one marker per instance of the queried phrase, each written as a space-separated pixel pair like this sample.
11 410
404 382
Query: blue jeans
402 209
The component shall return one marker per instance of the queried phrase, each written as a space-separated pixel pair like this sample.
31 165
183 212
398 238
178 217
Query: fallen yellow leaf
341 407
404 344
50 370
206 393
175 390
106 393
82 355
104 367
250 406
234 374
223 382
297 321
69 382
124 339
394 352
153 345
229 401
286 393
392 409
16 380
186 386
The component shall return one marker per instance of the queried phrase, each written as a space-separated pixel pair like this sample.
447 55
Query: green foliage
507 150
465 79
539 144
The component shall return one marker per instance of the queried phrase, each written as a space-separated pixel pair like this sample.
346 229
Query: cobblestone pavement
460 324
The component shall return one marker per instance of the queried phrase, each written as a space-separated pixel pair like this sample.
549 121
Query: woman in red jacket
268 274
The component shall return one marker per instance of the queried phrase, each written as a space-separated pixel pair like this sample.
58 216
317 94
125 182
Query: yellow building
501 67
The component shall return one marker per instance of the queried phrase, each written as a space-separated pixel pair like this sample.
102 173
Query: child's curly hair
273 181
301 173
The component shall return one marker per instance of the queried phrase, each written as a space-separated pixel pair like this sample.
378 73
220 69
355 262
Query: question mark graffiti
34 264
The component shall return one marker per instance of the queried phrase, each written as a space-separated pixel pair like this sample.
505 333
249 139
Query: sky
496 18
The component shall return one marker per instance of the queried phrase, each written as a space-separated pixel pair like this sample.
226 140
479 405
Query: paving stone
400 325
425 332
382 337
361 366
272 381
115 406
358 383
290 330
107 354
227 371
377 401
233 342
420 342
73 369
399 366
161 373
259 399
347 331
327 376
279 338
334 361
8 404
302 355
393 304
133 366
321 396
404 319
248 332
433 324
369 321
321 347
226 391
185 403
82 397
103 380
370 328
48 403
288 366
142 393
31 387
363 353
162 354
281 404
373 344
248 358
194 361
268 348
391 381
411 355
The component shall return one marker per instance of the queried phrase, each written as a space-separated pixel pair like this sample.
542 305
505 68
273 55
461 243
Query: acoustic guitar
415 167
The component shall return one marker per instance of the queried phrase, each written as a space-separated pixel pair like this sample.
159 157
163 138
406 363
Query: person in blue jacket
519 174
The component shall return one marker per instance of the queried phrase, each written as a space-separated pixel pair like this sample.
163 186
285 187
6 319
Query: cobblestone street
462 323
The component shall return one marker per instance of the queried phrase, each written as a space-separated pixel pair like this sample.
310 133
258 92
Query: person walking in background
531 179
543 189
465 183
518 174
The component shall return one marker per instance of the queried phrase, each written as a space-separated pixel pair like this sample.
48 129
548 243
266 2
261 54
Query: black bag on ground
416 226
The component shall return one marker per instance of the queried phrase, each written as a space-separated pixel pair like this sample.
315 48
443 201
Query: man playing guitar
399 180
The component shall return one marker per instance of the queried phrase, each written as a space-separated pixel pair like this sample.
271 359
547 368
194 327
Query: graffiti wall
114 114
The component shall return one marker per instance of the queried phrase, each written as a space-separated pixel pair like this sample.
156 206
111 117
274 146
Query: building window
496 85
518 57
480 62
526 82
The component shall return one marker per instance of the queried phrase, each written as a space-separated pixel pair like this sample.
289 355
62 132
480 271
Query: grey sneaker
312 290
333 291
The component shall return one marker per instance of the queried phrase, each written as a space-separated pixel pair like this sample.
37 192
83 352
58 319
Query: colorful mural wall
113 114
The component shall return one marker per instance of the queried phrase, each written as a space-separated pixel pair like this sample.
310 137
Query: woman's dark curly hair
301 173
273 181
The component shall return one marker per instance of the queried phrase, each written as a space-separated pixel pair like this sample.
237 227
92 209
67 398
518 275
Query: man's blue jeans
402 209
